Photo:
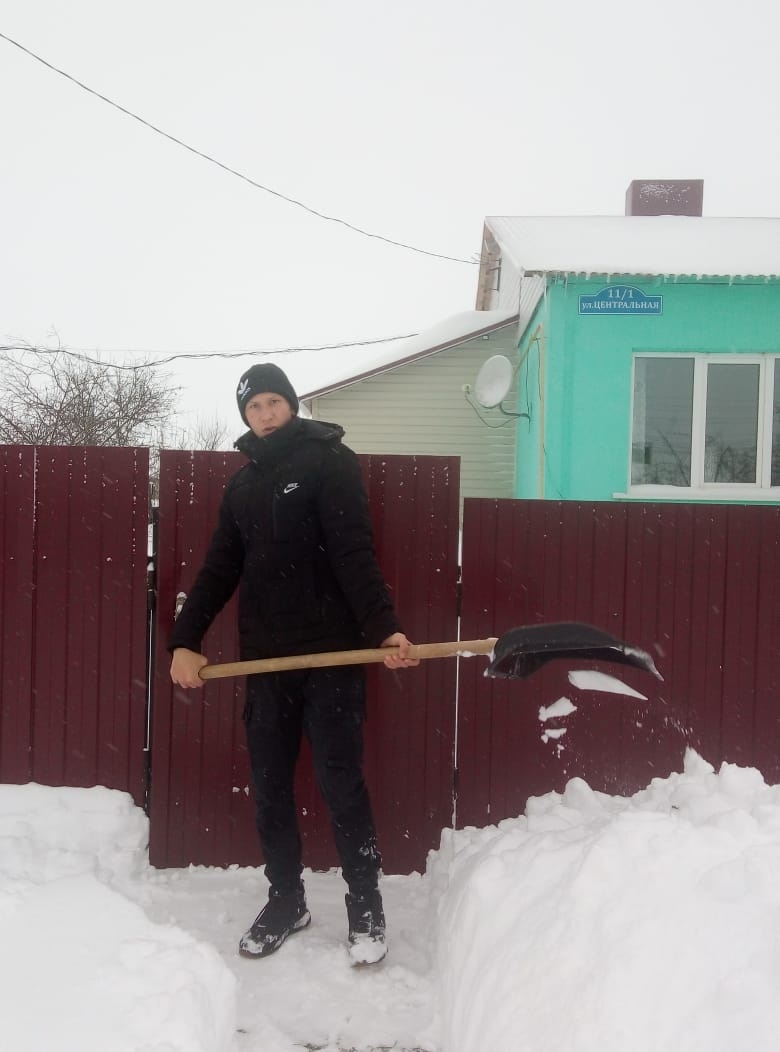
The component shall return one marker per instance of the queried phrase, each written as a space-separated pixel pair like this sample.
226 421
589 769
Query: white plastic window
706 422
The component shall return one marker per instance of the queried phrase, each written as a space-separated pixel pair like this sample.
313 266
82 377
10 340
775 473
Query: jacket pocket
291 598
293 512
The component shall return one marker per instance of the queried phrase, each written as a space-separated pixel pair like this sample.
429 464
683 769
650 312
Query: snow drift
597 924
82 967
592 924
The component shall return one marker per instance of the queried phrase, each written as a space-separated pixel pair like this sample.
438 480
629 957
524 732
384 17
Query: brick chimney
665 197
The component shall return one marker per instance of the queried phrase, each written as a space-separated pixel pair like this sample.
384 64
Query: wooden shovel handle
464 647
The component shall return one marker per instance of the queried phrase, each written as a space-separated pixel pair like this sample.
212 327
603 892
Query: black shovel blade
521 651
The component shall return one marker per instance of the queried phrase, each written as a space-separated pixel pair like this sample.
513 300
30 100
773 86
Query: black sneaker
282 915
366 927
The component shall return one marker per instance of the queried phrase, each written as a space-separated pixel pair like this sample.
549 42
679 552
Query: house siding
420 408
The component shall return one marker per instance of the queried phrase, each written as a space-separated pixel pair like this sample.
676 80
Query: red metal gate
697 586
73 594
201 807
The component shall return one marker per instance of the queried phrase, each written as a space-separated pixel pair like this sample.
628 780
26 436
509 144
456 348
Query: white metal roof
369 360
659 245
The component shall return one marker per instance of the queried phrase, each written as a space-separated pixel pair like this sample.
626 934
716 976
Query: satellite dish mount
492 385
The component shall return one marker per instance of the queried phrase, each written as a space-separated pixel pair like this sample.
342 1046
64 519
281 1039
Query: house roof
658 245
458 329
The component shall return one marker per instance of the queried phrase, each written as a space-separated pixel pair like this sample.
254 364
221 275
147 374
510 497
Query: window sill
705 494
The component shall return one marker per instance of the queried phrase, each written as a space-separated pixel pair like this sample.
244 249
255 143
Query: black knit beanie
262 378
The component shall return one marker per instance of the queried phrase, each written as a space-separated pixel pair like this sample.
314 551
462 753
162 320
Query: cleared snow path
308 996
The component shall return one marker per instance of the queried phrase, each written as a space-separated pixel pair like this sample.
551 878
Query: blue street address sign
621 299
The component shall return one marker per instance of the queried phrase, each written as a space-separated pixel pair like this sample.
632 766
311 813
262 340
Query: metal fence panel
410 732
696 585
17 583
74 594
199 762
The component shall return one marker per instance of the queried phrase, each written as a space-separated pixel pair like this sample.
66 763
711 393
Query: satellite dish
493 381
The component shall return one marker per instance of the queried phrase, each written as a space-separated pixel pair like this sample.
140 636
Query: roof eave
638 272
388 366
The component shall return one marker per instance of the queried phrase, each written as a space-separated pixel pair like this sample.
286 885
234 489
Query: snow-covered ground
591 924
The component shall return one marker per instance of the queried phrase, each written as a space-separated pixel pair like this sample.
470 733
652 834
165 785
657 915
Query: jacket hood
298 430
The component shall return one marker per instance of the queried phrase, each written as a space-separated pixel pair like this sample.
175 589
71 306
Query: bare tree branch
55 399
52 398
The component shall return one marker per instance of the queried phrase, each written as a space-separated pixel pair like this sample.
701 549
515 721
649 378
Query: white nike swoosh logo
290 487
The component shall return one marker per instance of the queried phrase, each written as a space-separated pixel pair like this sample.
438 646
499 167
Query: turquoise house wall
576 445
529 461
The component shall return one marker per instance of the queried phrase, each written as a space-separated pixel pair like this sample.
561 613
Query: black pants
328 705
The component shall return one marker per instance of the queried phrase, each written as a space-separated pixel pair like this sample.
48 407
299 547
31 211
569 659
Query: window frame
762 487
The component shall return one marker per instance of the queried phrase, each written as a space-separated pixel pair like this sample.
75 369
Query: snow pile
592 924
50 833
598 924
82 967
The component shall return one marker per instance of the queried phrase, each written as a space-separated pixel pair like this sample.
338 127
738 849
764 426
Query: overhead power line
80 355
226 167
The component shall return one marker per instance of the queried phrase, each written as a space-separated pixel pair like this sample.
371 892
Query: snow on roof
370 359
663 245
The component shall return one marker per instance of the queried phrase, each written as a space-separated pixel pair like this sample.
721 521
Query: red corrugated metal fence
696 585
73 595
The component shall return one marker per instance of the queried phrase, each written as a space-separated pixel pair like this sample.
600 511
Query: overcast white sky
413 119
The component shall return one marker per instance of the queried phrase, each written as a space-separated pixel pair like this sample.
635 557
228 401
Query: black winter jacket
294 528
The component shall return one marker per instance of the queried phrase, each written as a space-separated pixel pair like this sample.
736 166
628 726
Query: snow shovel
514 655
